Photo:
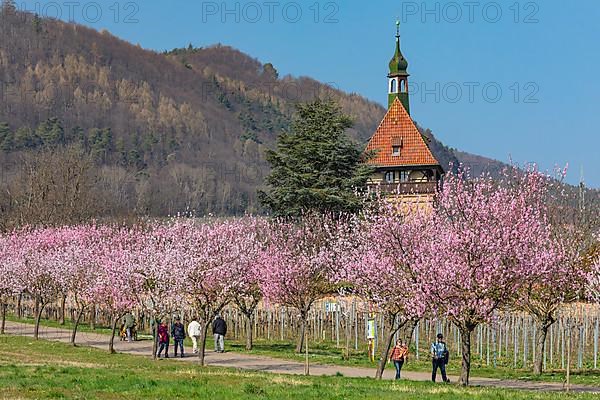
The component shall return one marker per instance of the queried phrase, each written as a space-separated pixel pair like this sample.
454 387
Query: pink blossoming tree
384 267
116 284
9 285
210 251
298 265
561 279
488 241
253 237
82 256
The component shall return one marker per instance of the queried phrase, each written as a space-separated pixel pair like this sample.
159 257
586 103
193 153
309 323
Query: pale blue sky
543 56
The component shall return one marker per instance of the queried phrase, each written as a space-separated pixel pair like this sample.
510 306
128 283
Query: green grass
50 370
83 327
328 353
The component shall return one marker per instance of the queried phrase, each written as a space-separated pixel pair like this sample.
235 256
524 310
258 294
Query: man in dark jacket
178 334
219 328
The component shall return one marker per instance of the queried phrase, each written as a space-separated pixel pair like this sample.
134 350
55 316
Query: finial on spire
397 28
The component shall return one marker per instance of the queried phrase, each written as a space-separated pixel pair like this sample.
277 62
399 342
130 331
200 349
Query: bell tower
398 76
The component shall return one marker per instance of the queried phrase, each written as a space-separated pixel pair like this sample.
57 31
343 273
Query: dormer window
396 146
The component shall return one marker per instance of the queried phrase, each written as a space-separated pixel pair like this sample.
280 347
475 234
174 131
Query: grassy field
41 370
328 353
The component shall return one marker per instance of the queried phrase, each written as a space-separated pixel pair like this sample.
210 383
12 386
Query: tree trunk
76 324
154 337
347 333
19 301
540 345
465 338
38 317
111 343
4 305
63 301
387 345
93 317
249 330
202 342
306 361
36 307
300 343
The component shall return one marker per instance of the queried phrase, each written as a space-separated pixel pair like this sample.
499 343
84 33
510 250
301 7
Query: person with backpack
178 333
219 328
163 339
440 356
398 356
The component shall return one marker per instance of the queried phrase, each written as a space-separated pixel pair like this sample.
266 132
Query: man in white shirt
194 332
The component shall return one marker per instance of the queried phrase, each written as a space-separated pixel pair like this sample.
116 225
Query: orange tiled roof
397 128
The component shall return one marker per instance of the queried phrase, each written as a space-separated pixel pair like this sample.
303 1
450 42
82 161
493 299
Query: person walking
439 355
194 332
399 356
129 325
163 339
219 328
178 333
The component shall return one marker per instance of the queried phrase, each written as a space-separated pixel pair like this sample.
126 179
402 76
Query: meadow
50 370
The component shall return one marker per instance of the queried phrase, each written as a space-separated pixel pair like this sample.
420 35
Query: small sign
371 329
331 307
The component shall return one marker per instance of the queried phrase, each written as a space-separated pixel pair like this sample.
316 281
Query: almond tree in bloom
298 265
116 284
9 285
562 278
82 257
209 250
489 239
593 278
253 237
41 266
384 266
160 256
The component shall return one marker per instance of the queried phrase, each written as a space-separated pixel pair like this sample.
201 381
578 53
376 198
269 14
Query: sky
506 79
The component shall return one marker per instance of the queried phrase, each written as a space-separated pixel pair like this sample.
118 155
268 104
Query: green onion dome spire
398 64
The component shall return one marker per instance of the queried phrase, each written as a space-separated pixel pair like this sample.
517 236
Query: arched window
403 86
393 86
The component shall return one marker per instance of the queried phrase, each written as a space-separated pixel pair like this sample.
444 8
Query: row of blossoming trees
485 246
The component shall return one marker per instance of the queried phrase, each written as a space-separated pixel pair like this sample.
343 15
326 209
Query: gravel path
268 364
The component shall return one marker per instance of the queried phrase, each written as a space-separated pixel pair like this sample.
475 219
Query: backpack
446 354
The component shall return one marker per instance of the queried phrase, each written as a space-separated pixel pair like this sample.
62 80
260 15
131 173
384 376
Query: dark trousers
165 346
439 363
398 365
178 342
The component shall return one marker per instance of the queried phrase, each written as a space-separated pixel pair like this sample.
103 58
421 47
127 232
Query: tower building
404 165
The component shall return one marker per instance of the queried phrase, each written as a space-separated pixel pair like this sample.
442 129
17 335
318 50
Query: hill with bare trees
93 126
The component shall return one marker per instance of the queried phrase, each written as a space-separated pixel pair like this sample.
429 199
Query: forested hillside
93 126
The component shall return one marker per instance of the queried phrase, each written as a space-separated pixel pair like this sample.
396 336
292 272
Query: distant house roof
398 129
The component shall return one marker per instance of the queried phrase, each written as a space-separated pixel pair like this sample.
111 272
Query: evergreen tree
100 143
315 167
25 139
4 131
51 132
6 138
37 24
